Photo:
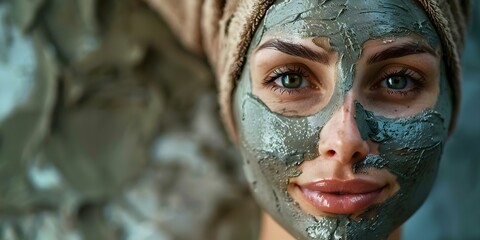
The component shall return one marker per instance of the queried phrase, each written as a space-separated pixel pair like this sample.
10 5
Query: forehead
348 23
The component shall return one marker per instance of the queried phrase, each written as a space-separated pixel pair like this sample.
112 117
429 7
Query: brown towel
223 30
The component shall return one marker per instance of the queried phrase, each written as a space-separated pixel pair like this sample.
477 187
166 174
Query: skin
346 120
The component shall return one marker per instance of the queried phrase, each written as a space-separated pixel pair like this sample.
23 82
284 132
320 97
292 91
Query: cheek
444 104
268 139
272 147
261 131
412 148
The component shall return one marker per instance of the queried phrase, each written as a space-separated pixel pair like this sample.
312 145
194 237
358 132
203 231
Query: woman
341 108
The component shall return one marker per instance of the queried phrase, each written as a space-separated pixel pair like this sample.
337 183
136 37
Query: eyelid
266 60
285 69
296 50
396 70
403 71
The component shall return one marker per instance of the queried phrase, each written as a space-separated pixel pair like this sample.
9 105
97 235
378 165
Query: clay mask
274 145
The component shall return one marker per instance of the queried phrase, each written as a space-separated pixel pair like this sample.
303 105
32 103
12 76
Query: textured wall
109 129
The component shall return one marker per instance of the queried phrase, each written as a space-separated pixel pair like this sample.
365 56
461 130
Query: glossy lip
342 197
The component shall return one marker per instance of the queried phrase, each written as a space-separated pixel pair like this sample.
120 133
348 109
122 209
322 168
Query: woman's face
342 112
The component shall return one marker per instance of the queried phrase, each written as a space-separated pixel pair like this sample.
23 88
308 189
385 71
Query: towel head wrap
223 30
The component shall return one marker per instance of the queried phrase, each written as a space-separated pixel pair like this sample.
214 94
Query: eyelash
281 71
417 79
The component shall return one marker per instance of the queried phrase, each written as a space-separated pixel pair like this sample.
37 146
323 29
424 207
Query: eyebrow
296 50
409 48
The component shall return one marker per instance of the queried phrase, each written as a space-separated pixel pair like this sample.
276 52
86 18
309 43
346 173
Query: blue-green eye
397 82
291 80
402 80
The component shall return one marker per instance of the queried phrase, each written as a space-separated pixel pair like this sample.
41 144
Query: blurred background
109 129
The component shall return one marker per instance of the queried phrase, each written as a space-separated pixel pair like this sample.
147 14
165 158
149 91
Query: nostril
330 153
356 156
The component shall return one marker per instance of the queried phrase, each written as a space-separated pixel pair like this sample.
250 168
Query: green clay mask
274 145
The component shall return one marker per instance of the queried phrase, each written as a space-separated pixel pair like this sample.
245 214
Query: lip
342 196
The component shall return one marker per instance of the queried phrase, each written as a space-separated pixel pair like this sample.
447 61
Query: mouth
342 197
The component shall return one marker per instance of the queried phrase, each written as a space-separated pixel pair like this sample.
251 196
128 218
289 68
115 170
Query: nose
340 138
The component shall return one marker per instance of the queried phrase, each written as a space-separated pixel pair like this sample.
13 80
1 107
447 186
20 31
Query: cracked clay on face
274 145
